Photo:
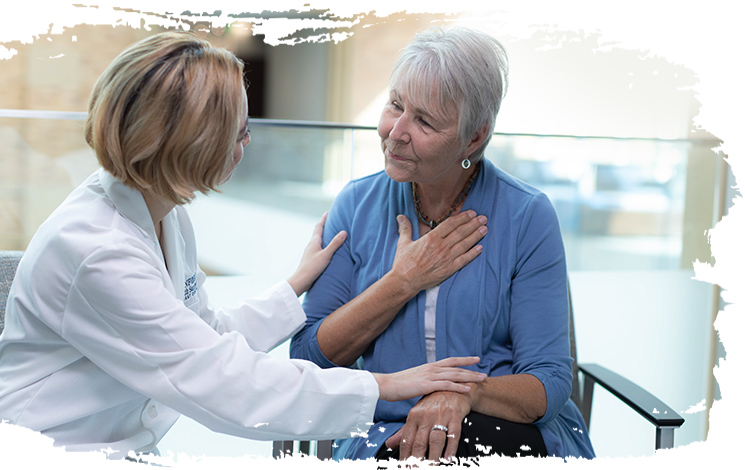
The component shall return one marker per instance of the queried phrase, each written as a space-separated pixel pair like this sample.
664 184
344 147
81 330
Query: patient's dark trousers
483 435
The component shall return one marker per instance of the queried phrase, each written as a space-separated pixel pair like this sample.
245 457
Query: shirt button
152 411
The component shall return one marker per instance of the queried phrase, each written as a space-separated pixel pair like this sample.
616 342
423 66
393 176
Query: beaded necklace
464 192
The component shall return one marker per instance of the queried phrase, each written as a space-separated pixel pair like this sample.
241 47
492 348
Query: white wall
297 82
654 328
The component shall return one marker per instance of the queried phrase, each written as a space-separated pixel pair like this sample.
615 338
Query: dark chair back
8 263
575 396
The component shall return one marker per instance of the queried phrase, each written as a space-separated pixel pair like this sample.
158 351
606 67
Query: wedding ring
439 427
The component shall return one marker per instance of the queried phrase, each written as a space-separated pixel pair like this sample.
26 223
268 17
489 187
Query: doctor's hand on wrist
444 375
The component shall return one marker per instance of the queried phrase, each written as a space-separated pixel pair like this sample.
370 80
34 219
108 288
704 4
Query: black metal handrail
289 123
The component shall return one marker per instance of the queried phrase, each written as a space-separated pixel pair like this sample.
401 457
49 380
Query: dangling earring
466 163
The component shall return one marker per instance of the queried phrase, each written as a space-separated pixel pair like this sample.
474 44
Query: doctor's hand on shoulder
315 258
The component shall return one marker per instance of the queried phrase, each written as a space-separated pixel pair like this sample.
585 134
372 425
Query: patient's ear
477 139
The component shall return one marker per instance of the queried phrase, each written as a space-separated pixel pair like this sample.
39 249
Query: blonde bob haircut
165 115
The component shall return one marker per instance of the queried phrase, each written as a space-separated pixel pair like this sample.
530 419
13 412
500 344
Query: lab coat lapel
130 203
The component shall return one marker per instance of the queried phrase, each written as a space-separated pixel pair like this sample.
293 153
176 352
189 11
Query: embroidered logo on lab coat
190 287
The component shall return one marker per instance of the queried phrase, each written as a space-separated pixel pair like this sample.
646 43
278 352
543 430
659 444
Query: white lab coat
104 347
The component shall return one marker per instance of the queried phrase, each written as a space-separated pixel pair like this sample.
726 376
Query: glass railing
620 201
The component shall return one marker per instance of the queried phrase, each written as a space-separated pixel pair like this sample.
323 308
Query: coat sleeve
123 318
265 321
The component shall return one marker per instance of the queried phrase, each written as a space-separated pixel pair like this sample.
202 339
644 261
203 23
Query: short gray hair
459 66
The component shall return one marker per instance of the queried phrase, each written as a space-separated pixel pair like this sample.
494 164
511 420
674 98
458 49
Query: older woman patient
508 305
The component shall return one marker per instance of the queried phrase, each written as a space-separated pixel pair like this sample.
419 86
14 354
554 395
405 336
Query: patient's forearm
347 332
517 398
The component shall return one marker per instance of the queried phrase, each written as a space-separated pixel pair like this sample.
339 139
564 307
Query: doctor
109 335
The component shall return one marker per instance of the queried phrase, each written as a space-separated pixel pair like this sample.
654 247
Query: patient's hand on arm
518 398
419 264
315 258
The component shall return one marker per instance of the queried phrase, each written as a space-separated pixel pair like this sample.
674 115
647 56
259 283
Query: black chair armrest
643 402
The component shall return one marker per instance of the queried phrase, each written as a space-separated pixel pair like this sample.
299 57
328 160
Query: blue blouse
508 306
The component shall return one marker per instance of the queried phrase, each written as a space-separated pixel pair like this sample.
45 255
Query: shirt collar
129 202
